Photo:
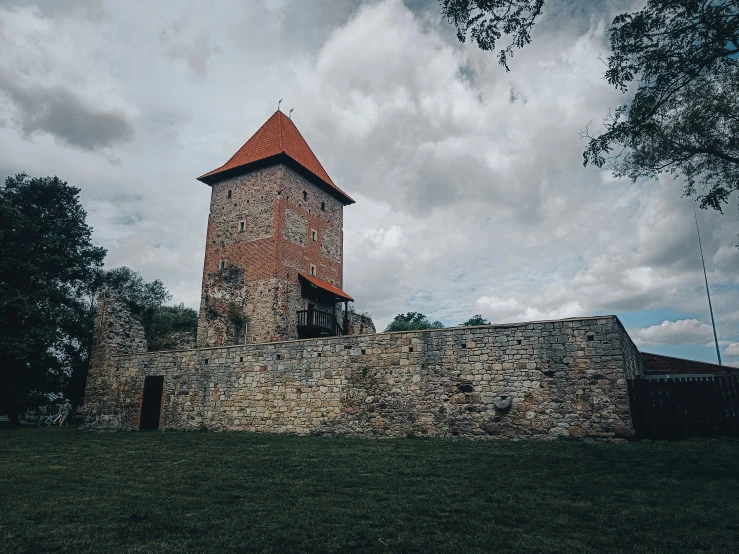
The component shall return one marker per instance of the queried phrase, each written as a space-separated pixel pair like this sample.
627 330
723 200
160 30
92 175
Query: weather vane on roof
278 104
290 115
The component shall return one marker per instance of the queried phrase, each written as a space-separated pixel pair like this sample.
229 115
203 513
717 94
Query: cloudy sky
471 195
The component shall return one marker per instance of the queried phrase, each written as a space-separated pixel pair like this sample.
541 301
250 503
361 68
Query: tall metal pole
710 308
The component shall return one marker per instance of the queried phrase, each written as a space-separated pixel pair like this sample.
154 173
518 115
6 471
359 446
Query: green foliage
487 20
145 302
412 321
164 321
680 61
683 56
475 320
137 293
47 263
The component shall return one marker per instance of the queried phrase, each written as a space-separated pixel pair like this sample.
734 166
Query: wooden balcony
317 323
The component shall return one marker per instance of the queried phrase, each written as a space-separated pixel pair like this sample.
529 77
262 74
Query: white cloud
471 196
680 332
732 349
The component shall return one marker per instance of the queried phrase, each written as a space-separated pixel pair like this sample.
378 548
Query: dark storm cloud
65 116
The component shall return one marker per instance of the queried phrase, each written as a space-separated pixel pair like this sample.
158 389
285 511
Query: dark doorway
151 406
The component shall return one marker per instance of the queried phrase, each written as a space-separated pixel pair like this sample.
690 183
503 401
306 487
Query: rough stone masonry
540 379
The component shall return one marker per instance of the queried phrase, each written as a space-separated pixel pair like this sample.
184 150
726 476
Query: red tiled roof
327 287
278 135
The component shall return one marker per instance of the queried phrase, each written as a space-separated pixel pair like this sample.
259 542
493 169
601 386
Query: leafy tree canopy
164 322
475 320
131 287
47 262
412 321
679 60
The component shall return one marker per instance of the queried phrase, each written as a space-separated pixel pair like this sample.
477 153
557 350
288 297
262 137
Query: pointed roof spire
278 140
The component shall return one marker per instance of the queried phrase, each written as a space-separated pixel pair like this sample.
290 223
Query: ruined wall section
116 332
539 379
360 324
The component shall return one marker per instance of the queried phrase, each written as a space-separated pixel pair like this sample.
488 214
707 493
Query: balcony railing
317 323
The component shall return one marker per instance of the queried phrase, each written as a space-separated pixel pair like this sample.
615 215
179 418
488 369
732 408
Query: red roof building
273 265
277 141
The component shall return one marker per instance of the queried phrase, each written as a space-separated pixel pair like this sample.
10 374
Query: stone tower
274 249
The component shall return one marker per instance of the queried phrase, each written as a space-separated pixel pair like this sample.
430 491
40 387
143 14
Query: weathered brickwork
360 324
539 379
296 228
259 227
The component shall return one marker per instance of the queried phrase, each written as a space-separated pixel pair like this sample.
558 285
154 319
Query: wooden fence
685 406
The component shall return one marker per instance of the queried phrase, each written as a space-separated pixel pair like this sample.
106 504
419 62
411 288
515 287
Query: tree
487 20
47 261
166 321
475 320
412 321
682 58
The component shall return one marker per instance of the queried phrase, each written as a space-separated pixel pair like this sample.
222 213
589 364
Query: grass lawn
64 490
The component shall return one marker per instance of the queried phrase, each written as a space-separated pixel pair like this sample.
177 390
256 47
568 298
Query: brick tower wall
260 281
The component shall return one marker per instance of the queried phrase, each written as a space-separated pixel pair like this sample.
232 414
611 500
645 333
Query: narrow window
313 235
222 265
229 194
242 226
312 270
305 196
323 206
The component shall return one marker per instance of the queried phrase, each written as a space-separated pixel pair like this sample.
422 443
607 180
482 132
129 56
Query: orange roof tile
327 287
278 135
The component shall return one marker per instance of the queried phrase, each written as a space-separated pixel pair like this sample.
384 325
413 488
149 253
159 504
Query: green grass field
64 490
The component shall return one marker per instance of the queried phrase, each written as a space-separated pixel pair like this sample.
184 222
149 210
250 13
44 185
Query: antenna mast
710 308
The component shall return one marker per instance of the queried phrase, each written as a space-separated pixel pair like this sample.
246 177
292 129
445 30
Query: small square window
323 206
241 359
242 226
305 196
222 265
279 356
313 235
591 337
319 354
229 194
312 270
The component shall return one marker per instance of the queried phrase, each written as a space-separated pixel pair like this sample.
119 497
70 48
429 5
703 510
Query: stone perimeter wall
563 377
